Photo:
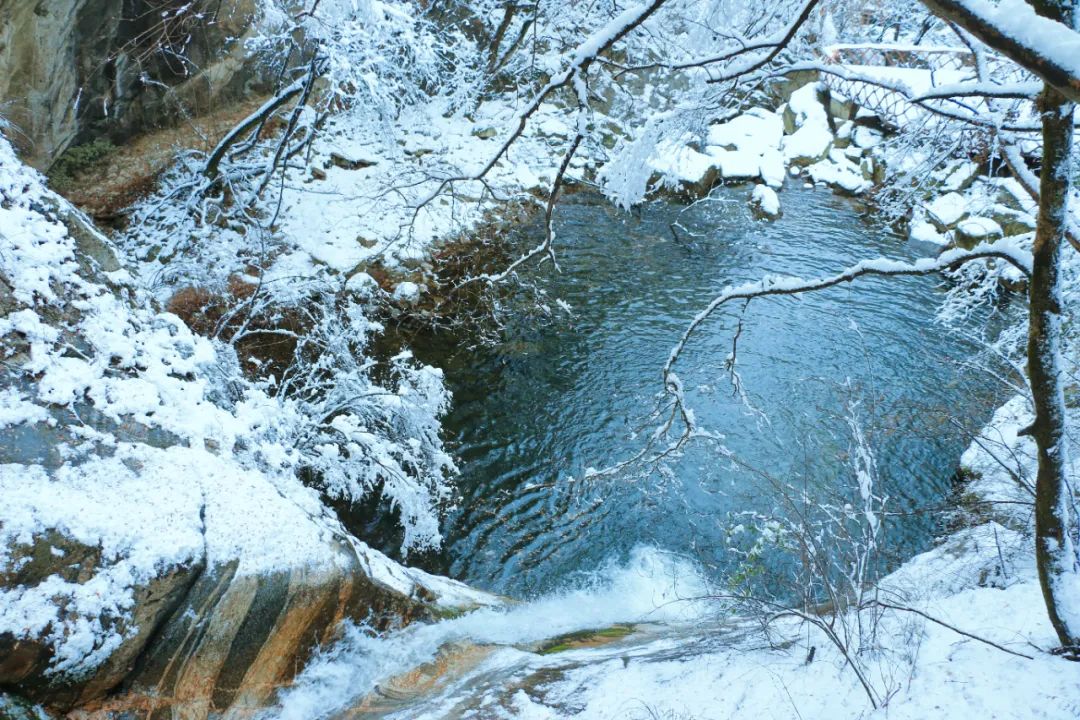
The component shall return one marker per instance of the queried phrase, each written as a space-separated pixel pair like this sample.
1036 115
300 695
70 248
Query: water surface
532 414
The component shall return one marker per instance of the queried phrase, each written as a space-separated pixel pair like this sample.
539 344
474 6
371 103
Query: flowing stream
532 414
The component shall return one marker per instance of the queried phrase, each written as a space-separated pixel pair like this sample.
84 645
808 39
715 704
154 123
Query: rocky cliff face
76 70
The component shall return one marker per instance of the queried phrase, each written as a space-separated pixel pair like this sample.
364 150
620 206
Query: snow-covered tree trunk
1054 518
1039 35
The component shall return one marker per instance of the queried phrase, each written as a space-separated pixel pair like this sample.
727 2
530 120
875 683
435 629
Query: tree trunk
1055 550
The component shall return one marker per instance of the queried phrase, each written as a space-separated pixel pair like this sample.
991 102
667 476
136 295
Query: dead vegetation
105 182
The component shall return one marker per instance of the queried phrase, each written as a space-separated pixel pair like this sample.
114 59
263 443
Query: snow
765 198
167 476
980 228
154 506
959 175
15 409
947 209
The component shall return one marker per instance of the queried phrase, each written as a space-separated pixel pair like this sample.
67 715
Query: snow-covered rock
840 173
736 164
976 229
959 176
754 130
922 230
865 137
679 165
843 134
804 107
407 292
946 210
807 145
143 498
812 136
773 170
1012 222
748 147
765 202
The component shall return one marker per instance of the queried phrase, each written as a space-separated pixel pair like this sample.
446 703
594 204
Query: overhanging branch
1043 46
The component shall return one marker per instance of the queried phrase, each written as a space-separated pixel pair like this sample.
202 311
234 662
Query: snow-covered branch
923 100
772 45
1005 250
1046 47
578 65
257 119
1015 91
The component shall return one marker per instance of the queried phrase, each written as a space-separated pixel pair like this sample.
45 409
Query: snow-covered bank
140 470
961 630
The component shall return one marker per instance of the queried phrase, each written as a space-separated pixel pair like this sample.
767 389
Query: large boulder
75 70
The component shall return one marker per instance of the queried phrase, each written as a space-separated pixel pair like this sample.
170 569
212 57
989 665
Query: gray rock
788 116
69 73
840 108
